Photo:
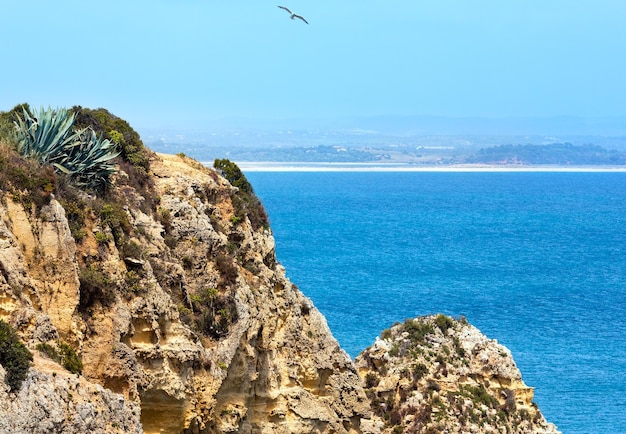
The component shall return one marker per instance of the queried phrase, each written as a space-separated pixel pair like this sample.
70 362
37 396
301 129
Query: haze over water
535 260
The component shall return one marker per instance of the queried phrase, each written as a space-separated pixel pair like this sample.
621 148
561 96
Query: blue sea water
534 260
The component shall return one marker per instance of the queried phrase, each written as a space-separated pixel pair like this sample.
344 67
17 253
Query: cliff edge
183 312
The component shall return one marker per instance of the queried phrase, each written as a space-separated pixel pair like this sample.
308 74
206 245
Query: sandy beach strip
247 166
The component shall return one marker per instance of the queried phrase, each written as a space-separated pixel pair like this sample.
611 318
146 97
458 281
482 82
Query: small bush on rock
15 358
70 359
245 201
65 355
444 322
95 287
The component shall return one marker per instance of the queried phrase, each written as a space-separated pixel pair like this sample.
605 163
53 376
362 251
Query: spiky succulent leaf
44 134
83 156
89 159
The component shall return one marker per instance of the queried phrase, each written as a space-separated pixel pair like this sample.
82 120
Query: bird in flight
293 16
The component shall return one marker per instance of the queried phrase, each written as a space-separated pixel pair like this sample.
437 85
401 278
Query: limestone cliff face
436 374
51 400
195 322
186 323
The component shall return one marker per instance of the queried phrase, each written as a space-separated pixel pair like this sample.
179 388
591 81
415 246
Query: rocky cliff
437 374
186 323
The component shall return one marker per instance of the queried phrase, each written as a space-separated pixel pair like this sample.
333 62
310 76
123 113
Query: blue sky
189 62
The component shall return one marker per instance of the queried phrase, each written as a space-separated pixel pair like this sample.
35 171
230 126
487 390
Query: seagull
294 15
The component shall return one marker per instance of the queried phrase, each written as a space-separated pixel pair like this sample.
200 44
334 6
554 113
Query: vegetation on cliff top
34 153
134 157
48 136
246 202
81 143
34 176
26 180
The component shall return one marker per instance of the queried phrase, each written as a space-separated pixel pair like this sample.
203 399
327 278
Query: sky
185 63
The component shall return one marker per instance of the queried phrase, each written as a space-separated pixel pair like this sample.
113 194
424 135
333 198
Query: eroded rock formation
437 374
189 316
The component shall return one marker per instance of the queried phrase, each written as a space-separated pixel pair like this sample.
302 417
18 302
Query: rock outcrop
437 374
51 400
186 323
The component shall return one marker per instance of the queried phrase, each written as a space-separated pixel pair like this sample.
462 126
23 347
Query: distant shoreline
399 167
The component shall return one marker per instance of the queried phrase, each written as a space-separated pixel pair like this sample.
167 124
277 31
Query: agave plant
44 135
87 159
49 138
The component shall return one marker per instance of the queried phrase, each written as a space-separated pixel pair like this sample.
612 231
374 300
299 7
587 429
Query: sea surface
535 260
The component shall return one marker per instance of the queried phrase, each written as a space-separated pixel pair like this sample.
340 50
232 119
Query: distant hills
404 140
415 151
559 154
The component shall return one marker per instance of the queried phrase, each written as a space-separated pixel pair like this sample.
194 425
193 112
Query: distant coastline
264 166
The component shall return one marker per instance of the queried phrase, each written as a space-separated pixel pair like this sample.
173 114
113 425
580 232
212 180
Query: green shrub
187 262
246 203
132 281
113 215
233 174
479 395
214 314
75 210
228 269
185 314
26 180
95 287
397 429
458 347
69 359
165 217
444 322
101 237
132 249
371 380
15 358
118 130
50 351
417 330
134 158
433 386
7 123
394 350
386 334
170 241
419 371
66 356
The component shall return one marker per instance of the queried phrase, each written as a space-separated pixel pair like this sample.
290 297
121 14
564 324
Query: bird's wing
287 9
302 18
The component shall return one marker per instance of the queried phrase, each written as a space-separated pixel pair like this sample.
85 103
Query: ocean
535 260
